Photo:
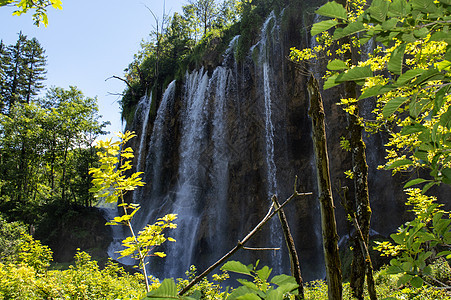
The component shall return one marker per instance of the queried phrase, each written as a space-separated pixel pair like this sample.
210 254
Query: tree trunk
360 172
294 260
328 224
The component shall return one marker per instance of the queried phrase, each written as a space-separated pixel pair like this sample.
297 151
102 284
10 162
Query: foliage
22 72
40 7
410 77
208 289
111 183
10 238
418 240
85 280
278 287
46 150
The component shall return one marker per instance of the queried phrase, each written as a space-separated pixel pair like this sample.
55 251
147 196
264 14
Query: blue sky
89 41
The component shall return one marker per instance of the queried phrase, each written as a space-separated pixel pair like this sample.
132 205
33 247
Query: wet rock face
230 136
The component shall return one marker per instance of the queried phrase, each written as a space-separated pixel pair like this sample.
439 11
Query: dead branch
241 243
294 259
260 249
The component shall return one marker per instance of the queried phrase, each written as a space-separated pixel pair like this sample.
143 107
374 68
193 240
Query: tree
111 183
35 68
410 78
23 71
206 12
358 206
44 146
39 6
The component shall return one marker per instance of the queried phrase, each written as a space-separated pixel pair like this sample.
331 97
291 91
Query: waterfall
219 171
143 107
264 46
189 188
154 163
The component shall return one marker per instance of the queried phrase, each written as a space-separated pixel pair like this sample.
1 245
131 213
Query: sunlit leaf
393 105
322 26
333 10
396 59
355 74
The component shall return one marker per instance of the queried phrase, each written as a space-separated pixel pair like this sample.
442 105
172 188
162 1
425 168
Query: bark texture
294 259
328 223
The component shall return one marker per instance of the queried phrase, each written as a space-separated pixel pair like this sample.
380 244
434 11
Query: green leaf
408 37
410 129
274 295
355 74
333 10
378 10
404 279
264 273
390 24
235 266
393 270
448 52
440 99
421 33
249 284
330 82
239 292
352 28
427 187
425 6
416 282
439 36
287 287
376 90
447 172
396 59
167 289
322 26
249 296
414 182
408 76
426 76
337 65
399 163
283 279
393 105
398 8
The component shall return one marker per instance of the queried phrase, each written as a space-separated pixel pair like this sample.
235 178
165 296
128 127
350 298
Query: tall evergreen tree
15 67
3 86
24 71
34 71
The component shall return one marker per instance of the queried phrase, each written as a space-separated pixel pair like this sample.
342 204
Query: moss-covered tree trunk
361 201
328 223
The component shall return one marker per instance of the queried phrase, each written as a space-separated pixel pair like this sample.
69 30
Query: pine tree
3 85
34 72
14 67
24 69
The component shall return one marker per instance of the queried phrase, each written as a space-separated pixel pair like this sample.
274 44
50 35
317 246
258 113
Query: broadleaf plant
111 183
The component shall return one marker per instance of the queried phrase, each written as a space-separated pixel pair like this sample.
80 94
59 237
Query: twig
445 286
241 243
294 259
260 249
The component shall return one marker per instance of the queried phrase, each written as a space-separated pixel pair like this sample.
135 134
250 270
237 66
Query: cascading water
154 163
190 174
144 107
267 81
219 171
